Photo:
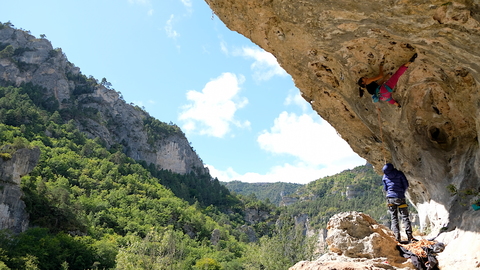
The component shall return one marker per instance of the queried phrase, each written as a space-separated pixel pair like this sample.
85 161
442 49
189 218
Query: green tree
7 52
3 266
207 264
158 250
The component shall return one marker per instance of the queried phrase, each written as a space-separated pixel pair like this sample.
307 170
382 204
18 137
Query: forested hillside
359 189
92 207
273 192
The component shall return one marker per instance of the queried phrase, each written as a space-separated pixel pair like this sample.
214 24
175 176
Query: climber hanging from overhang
383 89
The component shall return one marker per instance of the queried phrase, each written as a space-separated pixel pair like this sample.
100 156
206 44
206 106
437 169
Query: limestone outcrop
98 111
356 241
13 215
326 46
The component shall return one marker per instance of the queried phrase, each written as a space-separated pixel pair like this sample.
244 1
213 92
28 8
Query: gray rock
13 215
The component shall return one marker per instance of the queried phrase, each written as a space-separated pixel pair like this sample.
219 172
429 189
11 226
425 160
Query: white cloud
287 173
313 145
265 65
295 98
171 33
223 47
212 111
306 137
146 3
300 173
187 3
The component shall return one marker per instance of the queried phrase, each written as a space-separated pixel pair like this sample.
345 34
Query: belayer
395 184
383 90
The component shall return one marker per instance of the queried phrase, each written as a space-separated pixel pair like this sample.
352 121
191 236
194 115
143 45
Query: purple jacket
394 182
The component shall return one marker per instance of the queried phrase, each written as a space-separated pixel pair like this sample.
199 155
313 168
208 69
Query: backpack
377 95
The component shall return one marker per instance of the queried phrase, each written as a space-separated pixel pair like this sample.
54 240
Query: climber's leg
393 210
392 82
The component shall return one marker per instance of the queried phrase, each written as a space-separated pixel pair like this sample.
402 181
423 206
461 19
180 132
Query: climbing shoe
413 58
411 239
398 237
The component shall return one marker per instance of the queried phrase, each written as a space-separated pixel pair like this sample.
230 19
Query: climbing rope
381 136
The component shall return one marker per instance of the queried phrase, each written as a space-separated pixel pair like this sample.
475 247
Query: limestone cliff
98 111
13 214
326 46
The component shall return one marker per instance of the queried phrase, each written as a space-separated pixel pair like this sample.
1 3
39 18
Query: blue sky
239 109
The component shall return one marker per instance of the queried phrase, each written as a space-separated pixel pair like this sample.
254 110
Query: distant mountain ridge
274 192
357 189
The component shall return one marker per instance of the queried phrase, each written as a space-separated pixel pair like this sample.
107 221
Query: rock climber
395 184
383 90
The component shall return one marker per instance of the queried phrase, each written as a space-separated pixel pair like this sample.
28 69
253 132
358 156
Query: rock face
99 111
13 215
356 241
254 215
326 46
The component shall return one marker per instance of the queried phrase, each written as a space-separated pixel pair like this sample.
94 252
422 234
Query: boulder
356 241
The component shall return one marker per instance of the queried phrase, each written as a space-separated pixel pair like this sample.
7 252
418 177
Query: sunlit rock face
326 46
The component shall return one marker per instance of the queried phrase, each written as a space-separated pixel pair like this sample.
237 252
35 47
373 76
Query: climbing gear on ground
422 253
438 247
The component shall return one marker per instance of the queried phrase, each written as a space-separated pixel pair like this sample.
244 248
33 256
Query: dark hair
360 82
372 88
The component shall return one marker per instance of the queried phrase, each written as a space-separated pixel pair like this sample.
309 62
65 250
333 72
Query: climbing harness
378 96
400 206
